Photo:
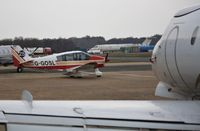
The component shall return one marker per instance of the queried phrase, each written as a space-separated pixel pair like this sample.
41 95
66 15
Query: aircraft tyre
98 73
19 69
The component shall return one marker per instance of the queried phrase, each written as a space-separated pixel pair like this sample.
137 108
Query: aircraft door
170 56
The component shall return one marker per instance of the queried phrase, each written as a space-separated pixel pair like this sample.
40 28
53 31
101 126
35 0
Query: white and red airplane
176 63
72 62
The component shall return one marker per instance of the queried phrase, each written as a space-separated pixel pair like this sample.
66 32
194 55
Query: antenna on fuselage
27 98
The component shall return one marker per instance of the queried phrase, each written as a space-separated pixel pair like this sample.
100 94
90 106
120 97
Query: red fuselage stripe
52 67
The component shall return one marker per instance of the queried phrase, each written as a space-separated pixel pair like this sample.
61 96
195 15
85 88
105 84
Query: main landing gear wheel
98 73
19 69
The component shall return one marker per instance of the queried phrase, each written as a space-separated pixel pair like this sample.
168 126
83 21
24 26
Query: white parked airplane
100 49
175 63
5 55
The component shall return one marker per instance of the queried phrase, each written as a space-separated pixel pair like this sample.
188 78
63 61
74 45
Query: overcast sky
78 18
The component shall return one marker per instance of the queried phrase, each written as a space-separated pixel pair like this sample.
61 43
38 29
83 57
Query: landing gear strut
19 69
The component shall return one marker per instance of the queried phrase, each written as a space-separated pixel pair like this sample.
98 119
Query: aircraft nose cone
155 52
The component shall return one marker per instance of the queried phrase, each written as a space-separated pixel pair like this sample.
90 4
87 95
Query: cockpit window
2 127
69 57
3 52
73 56
194 35
66 57
59 58
81 56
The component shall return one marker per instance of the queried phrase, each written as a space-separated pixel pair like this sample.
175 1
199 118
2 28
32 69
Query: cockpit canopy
73 56
187 11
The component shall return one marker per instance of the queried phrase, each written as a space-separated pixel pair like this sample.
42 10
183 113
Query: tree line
63 44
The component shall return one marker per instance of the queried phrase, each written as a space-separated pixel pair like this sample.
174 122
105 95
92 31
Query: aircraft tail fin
19 55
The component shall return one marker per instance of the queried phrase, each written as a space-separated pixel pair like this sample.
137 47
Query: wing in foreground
101 115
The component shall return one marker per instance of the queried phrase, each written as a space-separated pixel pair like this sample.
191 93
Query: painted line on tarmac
127 64
134 75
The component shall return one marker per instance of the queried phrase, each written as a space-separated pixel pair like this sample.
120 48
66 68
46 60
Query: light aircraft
101 49
176 63
71 62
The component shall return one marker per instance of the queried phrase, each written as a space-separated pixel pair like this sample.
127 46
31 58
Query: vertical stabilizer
19 55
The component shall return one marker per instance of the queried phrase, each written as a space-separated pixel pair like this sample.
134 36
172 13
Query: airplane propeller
106 58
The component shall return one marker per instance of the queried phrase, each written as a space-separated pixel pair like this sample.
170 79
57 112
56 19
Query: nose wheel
19 69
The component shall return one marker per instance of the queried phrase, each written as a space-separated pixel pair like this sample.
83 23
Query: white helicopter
176 63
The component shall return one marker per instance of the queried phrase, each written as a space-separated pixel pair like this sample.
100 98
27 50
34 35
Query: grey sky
78 18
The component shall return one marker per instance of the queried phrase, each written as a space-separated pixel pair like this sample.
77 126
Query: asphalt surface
129 59
128 67
110 67
120 81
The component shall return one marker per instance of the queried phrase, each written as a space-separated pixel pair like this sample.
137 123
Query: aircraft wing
102 115
87 66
